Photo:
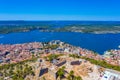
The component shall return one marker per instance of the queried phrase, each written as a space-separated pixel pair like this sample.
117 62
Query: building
110 75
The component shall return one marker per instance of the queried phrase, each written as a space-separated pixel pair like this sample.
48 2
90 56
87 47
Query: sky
107 10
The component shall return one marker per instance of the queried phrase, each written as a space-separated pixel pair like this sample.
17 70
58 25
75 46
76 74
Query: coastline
86 40
28 50
93 32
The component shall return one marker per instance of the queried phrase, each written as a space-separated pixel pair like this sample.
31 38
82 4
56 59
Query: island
97 27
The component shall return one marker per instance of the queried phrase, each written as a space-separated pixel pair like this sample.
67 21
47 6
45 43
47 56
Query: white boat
119 46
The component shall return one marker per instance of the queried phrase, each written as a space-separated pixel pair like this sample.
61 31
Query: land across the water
96 27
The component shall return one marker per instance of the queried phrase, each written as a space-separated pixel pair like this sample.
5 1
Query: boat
119 46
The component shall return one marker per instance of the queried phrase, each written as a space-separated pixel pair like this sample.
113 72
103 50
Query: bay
96 42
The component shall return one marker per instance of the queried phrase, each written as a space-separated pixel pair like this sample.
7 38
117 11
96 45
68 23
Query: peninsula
55 59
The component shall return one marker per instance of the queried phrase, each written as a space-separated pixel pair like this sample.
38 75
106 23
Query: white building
111 75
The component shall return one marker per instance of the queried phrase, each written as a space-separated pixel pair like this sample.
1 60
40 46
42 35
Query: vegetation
21 28
43 78
85 27
77 78
51 46
103 64
89 28
7 66
17 71
74 56
61 72
21 72
98 62
71 76
53 56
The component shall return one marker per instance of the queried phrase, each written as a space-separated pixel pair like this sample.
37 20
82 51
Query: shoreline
95 32
38 46
75 33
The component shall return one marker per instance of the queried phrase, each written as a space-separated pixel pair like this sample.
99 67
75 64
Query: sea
96 42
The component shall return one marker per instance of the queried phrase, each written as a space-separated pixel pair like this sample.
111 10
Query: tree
43 78
61 72
78 78
71 75
52 56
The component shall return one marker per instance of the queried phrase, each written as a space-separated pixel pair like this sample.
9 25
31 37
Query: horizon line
63 20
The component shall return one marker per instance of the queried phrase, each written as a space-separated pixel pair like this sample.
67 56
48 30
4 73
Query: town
57 60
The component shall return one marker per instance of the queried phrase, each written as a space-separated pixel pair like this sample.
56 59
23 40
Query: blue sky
60 10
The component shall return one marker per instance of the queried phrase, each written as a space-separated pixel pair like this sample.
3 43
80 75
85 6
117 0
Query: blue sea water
95 42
